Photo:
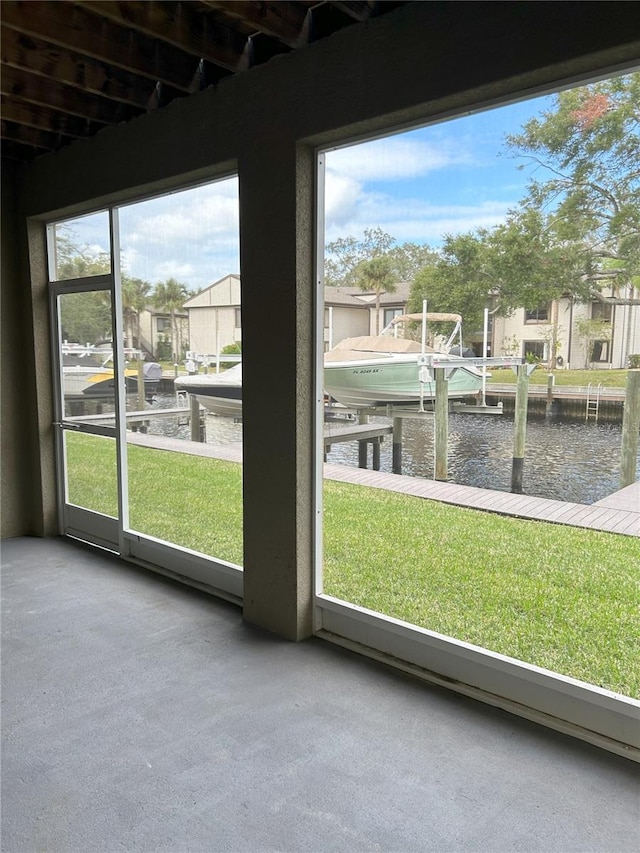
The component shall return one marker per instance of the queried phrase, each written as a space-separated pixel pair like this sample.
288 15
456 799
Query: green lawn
558 597
608 378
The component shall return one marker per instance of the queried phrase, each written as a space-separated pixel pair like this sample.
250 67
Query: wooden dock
617 513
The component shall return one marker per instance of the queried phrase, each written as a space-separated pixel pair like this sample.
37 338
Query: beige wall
420 61
212 327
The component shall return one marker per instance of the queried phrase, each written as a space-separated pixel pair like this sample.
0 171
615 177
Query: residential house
592 334
215 314
156 333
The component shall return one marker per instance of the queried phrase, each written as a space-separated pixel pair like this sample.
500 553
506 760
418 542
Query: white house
596 334
215 314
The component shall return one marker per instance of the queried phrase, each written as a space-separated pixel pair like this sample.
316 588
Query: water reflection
567 461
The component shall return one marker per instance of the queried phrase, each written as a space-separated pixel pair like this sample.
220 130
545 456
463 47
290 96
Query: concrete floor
139 715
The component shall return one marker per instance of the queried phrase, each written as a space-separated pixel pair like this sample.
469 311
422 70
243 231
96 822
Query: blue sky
417 186
450 177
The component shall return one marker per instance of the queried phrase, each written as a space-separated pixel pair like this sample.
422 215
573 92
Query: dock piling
630 428
442 424
520 427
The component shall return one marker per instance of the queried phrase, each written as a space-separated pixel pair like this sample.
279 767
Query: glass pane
86 353
91 472
181 320
80 247
485 212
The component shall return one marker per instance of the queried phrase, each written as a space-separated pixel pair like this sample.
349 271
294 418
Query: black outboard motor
152 376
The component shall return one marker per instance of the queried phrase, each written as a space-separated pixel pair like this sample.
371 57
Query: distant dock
617 513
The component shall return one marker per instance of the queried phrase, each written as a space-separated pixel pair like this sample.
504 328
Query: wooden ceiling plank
178 25
72 28
43 118
39 57
31 137
285 21
359 10
49 93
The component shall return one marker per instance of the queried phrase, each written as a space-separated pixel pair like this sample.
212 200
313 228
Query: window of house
601 311
238 318
537 315
390 313
533 350
163 324
600 351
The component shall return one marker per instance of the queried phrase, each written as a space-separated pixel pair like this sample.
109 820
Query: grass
559 597
608 378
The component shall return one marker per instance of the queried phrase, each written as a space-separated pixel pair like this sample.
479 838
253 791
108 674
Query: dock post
375 452
520 428
194 418
442 424
362 445
548 412
396 450
630 428
141 396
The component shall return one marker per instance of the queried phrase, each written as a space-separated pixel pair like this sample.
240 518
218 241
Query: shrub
634 360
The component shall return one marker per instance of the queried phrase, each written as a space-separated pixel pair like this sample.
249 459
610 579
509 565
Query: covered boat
390 368
219 393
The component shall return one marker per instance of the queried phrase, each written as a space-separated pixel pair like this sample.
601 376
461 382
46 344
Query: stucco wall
14 409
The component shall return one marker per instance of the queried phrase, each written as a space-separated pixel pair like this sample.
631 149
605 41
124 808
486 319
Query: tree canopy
575 233
345 255
170 296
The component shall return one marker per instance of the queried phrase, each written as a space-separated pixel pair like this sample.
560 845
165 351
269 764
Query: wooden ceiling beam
72 28
359 10
31 137
175 23
285 21
49 93
43 118
39 57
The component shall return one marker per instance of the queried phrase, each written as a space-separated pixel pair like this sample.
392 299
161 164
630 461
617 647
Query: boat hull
393 381
219 393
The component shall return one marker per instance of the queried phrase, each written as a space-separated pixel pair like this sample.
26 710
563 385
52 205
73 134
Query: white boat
87 371
362 372
219 393
379 370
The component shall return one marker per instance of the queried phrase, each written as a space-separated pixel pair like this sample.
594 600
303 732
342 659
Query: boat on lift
393 368
219 393
87 371
366 371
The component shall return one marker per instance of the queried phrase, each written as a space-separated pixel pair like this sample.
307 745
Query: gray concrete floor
139 715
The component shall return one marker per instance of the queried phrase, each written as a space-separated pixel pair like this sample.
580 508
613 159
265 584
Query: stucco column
276 216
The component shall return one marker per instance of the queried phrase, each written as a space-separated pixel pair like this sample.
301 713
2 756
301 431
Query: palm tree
135 294
170 296
376 275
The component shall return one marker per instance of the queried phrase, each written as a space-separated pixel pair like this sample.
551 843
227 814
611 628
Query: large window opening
460 219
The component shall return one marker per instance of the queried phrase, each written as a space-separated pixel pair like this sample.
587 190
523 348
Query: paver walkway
617 513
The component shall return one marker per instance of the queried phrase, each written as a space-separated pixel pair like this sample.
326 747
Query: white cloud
396 158
414 219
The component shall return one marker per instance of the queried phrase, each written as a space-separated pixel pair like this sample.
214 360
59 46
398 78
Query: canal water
564 460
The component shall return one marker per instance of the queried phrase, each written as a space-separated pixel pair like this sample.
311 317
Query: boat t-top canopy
430 318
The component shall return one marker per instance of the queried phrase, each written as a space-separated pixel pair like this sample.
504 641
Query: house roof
355 296
70 69
205 298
